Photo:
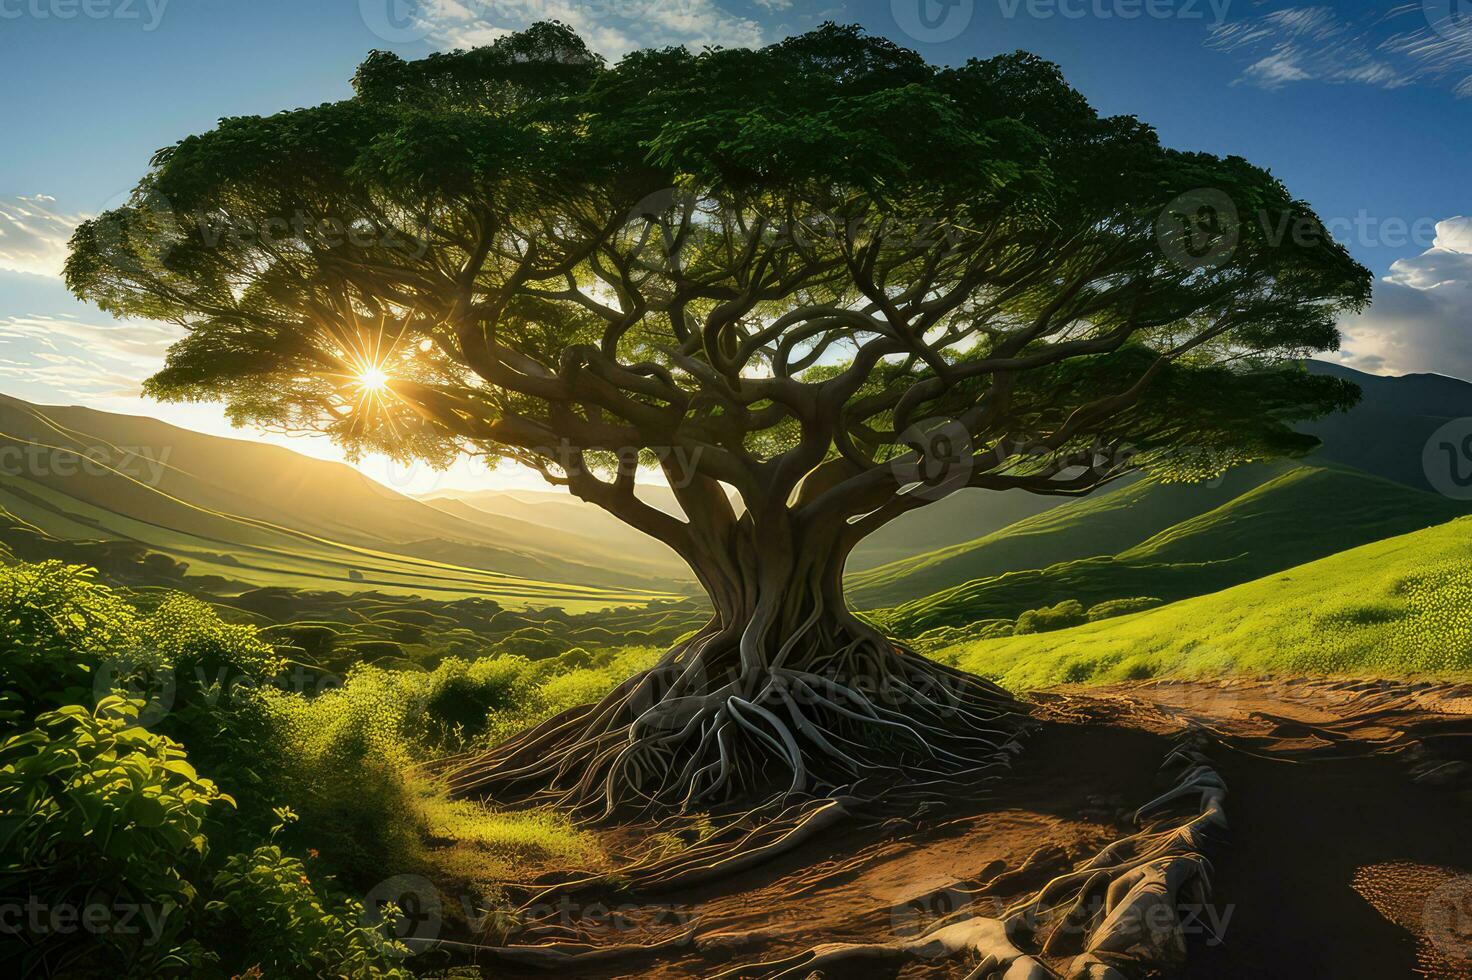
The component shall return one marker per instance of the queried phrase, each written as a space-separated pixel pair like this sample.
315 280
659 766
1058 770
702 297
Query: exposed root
983 938
1118 914
731 848
566 956
716 722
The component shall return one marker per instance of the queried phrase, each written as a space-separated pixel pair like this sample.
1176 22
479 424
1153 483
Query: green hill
1401 606
965 514
1303 513
262 515
1103 524
1383 435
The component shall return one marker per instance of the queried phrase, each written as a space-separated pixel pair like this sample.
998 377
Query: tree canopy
782 269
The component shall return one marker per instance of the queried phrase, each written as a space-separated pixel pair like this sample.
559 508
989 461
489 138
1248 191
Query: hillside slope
1383 435
1391 608
1103 524
1304 513
261 514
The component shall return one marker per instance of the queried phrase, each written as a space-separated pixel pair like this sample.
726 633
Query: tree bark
783 695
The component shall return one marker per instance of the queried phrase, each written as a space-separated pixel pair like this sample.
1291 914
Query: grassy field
1302 513
1398 607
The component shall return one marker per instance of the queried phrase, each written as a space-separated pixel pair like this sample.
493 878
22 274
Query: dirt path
1350 852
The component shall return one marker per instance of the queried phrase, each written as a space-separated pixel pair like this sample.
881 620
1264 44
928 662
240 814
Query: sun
372 380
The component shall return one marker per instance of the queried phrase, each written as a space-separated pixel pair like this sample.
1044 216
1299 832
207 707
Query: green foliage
1069 612
99 811
276 920
749 209
56 622
1121 607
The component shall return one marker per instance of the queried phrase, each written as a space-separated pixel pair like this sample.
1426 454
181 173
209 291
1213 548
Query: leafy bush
341 759
56 623
275 920
1121 607
99 812
1069 612
99 804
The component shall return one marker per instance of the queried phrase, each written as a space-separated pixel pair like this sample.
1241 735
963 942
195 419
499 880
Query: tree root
731 848
566 956
1117 915
697 732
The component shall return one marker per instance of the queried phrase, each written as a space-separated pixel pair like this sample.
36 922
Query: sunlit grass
476 842
1399 607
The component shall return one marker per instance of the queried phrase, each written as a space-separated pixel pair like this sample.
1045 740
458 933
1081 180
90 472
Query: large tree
818 285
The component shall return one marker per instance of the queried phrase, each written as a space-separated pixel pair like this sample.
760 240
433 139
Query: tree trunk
783 695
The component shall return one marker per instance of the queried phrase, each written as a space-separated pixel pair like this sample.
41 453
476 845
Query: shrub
276 922
1069 612
341 760
1121 607
56 622
98 812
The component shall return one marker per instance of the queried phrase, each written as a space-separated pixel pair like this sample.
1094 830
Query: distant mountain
559 512
263 514
1386 433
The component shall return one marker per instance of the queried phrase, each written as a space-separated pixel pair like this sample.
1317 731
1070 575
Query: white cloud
610 27
1405 45
1421 318
83 360
33 235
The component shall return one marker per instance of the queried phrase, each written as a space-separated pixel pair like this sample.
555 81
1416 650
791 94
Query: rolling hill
263 515
977 511
1103 524
1383 436
1303 513
1401 606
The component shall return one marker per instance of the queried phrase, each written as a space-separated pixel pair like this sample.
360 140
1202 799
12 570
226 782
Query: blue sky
1362 109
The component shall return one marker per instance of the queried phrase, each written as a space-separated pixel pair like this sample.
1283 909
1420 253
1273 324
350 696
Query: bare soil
1350 852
